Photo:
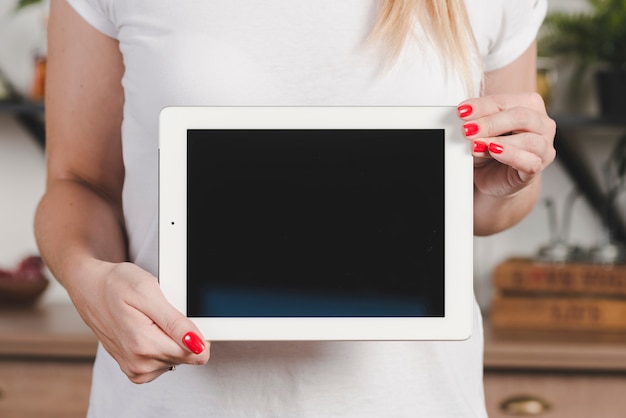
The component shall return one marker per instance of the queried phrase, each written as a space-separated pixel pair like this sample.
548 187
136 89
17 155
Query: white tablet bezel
457 322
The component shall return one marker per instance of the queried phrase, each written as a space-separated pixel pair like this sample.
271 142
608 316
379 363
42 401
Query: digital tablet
317 223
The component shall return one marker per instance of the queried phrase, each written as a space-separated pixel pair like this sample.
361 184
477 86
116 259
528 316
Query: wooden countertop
52 330
574 350
56 330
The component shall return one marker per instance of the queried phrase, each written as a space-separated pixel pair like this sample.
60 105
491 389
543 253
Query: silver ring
172 368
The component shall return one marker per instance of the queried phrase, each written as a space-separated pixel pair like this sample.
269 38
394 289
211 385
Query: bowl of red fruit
25 284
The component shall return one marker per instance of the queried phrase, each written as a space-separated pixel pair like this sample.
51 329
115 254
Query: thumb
194 342
180 328
174 323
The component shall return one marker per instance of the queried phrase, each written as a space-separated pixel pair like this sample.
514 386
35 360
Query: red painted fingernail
470 129
480 146
496 148
194 343
465 110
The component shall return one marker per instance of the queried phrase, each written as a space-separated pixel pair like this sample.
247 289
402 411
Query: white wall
22 36
568 5
22 171
22 161
22 176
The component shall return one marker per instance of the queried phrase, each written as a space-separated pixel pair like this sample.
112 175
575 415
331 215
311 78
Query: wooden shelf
54 330
600 352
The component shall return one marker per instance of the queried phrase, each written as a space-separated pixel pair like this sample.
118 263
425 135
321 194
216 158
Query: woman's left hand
512 140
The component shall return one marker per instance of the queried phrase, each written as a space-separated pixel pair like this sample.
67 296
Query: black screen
315 223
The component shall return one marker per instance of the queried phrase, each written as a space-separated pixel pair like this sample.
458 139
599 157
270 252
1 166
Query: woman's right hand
124 306
79 224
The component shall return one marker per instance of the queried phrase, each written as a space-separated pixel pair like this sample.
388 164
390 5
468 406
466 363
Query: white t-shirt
284 52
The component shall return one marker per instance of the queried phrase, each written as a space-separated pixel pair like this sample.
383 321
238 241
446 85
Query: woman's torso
284 52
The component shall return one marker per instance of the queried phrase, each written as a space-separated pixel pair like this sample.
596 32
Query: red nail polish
480 146
465 110
470 129
194 343
496 148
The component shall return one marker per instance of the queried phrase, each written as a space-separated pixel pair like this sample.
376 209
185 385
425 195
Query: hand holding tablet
317 223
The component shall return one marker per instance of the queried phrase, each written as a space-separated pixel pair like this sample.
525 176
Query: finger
177 326
123 317
150 376
496 115
536 152
518 154
145 351
515 120
475 108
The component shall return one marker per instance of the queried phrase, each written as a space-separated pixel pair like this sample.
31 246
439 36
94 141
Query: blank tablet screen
315 223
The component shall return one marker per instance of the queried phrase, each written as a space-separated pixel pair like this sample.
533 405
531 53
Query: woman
114 64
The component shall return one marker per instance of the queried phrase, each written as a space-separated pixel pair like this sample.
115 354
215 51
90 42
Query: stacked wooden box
530 294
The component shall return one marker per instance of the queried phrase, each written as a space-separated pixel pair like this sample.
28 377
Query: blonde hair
446 24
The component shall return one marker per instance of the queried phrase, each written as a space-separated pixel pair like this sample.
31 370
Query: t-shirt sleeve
518 26
96 13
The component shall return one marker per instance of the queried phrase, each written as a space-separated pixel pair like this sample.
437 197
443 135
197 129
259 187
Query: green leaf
23 3
597 36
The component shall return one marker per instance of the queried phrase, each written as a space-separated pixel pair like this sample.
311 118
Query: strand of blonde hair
445 21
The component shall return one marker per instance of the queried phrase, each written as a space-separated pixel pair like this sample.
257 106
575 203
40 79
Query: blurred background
22 42
579 222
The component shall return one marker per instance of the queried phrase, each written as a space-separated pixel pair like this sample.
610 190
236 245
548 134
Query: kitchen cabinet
46 358
47 353
555 375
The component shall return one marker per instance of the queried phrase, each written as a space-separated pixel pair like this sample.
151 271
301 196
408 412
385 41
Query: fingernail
465 110
470 129
480 146
496 148
194 343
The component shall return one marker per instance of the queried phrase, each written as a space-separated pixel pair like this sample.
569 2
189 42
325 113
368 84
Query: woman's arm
79 224
513 140
82 205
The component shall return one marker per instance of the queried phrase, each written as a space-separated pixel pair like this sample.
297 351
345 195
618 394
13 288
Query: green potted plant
23 3
596 40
